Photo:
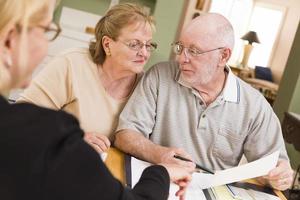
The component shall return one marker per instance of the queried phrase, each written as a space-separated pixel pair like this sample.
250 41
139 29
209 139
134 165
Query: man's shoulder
251 95
166 68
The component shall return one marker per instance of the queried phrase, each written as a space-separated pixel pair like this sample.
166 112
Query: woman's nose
143 51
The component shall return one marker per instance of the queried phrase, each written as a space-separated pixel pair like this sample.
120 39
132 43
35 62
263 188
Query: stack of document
250 194
202 181
222 193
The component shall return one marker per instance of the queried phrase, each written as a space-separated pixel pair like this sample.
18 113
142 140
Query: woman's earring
108 52
7 60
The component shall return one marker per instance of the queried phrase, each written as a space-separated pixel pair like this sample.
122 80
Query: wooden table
115 162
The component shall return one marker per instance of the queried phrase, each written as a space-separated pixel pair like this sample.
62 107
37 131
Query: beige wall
286 35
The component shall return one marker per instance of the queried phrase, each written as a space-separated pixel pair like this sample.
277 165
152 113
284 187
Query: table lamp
251 37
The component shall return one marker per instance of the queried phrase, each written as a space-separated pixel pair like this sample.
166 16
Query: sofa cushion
263 73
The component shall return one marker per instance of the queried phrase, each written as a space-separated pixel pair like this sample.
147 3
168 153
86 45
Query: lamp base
247 51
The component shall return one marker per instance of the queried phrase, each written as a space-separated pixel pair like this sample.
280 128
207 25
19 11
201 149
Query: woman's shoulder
70 61
31 118
79 51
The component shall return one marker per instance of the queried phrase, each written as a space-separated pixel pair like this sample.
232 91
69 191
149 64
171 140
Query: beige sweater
70 82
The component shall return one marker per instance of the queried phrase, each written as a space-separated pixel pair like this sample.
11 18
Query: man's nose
183 57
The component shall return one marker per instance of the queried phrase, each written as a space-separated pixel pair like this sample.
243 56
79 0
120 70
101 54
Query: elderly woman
42 153
95 84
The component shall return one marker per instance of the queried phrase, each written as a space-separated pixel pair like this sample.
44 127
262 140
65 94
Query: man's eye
178 48
193 51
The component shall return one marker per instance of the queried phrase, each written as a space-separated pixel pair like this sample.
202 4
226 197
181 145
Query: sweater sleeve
75 171
153 184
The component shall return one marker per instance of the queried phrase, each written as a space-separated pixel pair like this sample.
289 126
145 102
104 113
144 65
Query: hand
99 142
167 156
180 176
281 177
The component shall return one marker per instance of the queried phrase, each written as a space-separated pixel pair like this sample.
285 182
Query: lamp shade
251 37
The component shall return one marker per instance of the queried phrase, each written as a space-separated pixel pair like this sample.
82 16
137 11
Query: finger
96 143
181 191
104 139
100 144
188 165
95 147
96 138
181 152
282 166
282 184
87 136
283 175
182 183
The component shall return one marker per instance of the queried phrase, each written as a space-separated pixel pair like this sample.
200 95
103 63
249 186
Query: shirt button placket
202 121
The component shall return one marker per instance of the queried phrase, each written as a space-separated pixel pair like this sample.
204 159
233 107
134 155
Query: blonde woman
94 84
42 153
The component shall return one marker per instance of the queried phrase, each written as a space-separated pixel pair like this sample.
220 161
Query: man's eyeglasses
137 45
178 48
52 31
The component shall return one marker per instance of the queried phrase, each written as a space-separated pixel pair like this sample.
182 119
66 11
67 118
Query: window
267 31
245 16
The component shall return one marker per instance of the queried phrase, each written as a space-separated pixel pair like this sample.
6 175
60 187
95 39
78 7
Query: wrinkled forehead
199 34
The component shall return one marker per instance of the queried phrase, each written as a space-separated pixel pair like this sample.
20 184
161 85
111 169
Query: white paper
253 169
245 194
201 181
103 156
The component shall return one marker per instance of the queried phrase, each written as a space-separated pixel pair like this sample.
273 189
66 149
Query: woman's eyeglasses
137 45
52 31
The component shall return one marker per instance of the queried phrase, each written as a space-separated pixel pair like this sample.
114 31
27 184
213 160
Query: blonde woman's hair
111 24
21 14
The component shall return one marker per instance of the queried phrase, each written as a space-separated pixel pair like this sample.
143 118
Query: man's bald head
213 28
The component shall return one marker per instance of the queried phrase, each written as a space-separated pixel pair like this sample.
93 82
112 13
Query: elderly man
197 108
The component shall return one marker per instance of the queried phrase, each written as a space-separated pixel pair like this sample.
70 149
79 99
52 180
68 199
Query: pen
233 195
197 166
230 190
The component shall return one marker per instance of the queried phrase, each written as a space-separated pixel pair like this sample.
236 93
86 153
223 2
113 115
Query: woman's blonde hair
21 14
111 24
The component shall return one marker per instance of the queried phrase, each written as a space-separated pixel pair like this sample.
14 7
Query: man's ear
225 55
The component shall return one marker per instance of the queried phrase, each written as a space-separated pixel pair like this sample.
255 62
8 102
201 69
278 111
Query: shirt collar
231 91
